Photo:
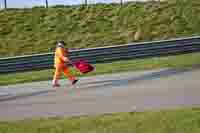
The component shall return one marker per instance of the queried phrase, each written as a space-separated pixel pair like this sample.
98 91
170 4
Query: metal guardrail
104 54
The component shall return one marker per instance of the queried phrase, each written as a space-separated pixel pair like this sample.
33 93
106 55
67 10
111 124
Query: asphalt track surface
122 92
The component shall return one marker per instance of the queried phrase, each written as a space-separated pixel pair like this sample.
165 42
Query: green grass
28 31
180 61
173 121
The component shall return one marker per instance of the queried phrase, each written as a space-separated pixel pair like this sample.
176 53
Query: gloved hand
66 59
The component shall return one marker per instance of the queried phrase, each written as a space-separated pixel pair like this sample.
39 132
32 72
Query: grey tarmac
121 92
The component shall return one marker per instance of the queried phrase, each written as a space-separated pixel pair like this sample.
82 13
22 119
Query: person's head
61 44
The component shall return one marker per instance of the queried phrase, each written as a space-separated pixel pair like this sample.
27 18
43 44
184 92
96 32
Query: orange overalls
60 59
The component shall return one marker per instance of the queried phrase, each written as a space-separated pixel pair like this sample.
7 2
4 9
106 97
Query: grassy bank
174 121
27 31
180 61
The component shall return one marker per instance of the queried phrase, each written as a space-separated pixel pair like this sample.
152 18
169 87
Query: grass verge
179 61
173 121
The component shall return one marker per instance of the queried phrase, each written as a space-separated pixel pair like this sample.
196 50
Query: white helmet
61 44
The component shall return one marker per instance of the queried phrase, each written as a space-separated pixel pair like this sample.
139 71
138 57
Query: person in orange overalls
60 60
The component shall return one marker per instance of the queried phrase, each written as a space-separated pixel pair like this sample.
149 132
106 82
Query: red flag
83 66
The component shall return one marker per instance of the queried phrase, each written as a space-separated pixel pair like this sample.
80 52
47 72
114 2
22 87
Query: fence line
47 3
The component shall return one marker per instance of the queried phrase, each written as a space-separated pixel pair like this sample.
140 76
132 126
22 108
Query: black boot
74 82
